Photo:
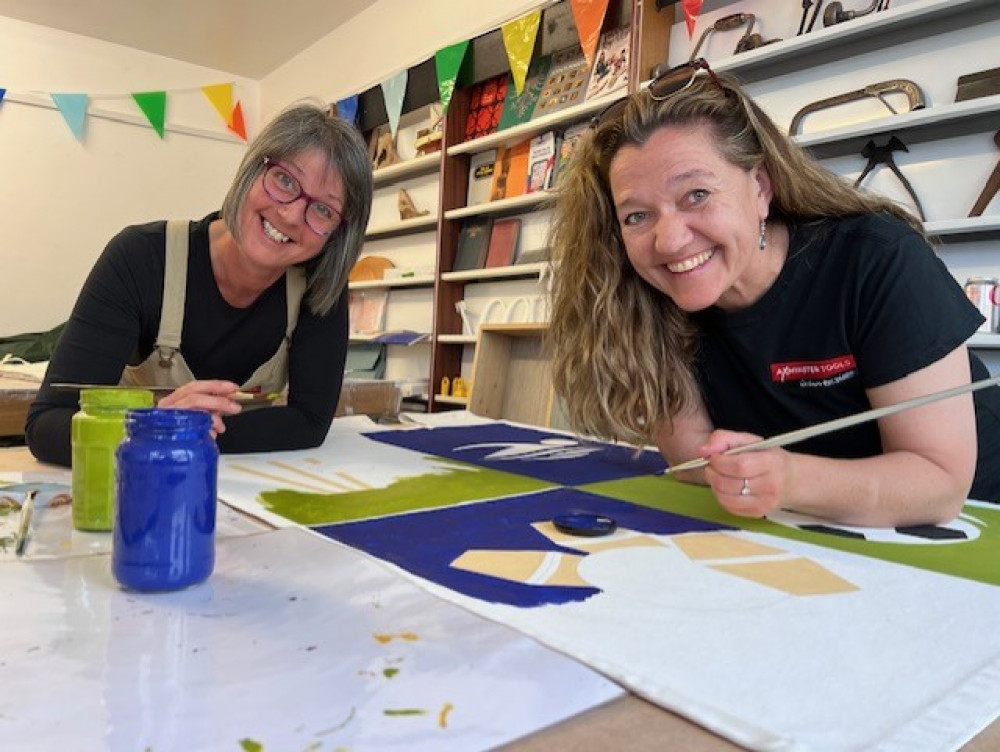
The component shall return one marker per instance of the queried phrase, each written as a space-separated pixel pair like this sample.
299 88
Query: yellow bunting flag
154 106
589 18
519 41
221 97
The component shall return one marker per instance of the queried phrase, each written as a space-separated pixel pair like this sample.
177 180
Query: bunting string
149 111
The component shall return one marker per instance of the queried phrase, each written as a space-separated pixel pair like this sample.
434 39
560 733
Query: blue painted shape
425 543
548 456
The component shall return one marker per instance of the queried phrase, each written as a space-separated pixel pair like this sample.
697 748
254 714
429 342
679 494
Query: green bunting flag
447 63
154 106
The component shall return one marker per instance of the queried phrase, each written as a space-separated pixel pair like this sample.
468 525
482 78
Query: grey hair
298 128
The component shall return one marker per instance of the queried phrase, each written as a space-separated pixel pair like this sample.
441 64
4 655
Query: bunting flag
221 97
236 124
519 41
154 106
589 18
447 63
393 91
347 108
74 111
691 10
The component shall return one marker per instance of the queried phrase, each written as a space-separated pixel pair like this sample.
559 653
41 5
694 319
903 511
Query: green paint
388 673
96 431
249 745
404 711
449 483
973 560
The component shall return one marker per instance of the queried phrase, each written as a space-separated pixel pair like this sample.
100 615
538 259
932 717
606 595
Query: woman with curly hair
715 285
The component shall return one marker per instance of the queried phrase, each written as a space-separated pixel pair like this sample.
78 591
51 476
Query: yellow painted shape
798 576
443 715
521 566
620 539
720 546
386 638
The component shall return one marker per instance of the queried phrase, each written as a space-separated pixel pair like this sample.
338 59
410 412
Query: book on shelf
473 243
510 173
611 61
366 310
531 256
567 145
518 108
503 242
485 107
566 82
399 337
481 167
542 161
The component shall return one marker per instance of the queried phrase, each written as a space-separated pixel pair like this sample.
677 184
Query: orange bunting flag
221 97
154 106
236 124
691 10
589 18
519 41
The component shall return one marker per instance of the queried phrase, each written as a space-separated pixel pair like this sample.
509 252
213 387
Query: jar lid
168 419
115 399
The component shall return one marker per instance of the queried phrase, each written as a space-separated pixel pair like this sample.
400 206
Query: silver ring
745 491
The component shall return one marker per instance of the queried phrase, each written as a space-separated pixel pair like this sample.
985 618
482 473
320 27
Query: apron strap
168 338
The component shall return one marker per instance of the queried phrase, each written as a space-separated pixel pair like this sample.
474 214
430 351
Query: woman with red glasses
715 285
250 299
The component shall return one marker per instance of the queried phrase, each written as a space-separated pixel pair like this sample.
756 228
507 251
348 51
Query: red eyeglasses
664 86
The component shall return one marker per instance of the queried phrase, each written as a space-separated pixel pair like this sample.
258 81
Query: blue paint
425 543
164 531
552 457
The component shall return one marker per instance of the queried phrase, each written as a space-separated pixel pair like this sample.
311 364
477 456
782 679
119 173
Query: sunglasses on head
664 86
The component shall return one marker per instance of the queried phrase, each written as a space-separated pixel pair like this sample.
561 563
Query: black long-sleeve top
116 319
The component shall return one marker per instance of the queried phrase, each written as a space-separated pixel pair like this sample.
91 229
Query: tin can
984 293
164 532
95 432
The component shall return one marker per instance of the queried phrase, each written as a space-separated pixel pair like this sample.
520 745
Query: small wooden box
374 398
512 376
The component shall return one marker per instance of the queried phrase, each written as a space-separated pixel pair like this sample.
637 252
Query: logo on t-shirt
815 373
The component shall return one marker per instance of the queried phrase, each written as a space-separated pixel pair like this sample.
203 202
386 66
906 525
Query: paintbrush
24 524
235 396
830 426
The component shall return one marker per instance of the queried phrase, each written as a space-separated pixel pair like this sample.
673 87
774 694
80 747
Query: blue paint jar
166 481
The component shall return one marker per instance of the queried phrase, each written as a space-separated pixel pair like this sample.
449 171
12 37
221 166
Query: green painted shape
972 560
249 745
452 483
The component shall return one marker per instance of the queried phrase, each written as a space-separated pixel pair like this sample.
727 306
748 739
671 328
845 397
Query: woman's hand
750 484
212 396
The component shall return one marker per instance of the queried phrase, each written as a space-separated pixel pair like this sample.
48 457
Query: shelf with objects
391 287
899 100
503 154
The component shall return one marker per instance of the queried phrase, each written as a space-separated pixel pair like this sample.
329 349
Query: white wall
61 200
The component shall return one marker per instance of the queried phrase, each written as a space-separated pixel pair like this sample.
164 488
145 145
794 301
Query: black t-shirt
116 319
860 302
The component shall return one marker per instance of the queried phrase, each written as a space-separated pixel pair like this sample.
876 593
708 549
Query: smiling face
275 235
691 220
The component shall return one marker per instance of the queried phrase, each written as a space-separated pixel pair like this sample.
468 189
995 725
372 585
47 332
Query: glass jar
164 532
95 432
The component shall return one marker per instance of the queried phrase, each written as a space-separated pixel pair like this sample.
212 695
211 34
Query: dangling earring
762 240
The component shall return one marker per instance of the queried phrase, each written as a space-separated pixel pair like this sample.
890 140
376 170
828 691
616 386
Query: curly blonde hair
623 352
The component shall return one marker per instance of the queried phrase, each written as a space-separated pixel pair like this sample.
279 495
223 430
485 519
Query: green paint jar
96 431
